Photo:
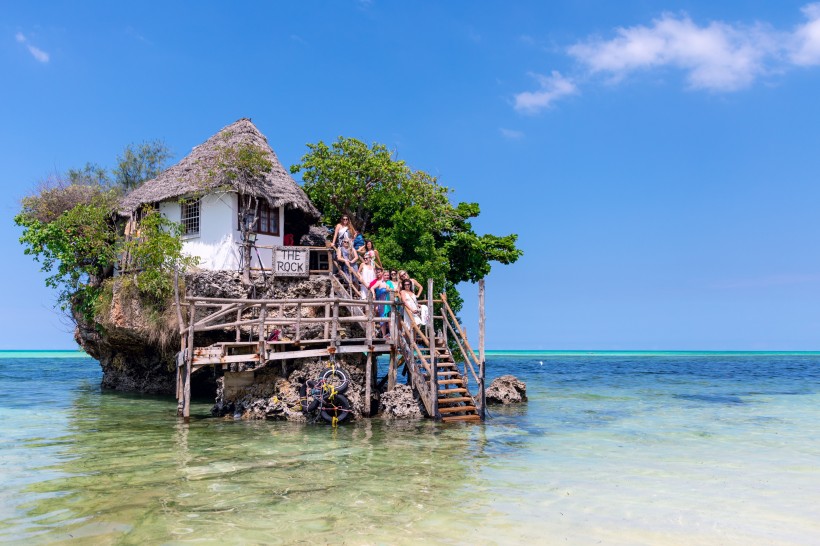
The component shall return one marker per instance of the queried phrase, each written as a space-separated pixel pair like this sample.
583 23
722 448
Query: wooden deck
270 330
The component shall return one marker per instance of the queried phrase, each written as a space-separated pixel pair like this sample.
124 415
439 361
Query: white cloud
511 134
552 88
718 56
805 46
36 52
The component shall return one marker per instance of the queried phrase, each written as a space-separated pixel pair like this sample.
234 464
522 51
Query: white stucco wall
216 244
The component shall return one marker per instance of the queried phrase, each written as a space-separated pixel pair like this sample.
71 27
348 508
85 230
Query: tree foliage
406 212
77 247
157 253
140 162
71 227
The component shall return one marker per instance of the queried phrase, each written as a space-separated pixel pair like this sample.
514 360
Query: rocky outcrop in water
506 389
401 403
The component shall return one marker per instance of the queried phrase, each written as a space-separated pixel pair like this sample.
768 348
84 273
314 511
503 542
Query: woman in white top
368 274
412 309
404 276
344 230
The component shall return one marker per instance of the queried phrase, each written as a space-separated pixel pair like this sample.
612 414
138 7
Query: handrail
463 352
460 331
406 345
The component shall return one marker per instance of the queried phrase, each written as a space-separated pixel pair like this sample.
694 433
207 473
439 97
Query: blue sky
659 160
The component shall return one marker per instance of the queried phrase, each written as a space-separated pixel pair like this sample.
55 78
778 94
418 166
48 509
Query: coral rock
506 389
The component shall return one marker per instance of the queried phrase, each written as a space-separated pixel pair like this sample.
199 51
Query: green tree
77 247
157 253
140 162
70 225
407 213
349 177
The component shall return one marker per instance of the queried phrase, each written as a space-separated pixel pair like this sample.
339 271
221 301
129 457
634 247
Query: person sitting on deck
344 230
404 276
412 309
347 257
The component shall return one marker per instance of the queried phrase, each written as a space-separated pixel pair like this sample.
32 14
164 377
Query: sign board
291 261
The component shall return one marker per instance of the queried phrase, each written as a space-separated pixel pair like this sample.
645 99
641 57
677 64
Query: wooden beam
392 369
367 385
186 395
431 344
481 322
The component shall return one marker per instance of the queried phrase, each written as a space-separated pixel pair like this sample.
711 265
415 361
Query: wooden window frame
189 220
271 214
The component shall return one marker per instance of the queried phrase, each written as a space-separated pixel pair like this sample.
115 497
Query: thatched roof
200 172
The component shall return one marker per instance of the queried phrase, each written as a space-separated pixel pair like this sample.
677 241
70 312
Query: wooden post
180 378
263 311
334 329
431 338
327 310
369 315
186 395
481 323
263 339
298 322
391 371
367 384
394 316
238 319
444 340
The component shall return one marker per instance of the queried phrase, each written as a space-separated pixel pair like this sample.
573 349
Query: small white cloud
511 134
718 56
36 52
805 46
552 88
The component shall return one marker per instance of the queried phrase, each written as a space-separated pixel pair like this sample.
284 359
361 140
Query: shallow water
707 448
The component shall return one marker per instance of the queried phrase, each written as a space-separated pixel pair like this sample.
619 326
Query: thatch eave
199 173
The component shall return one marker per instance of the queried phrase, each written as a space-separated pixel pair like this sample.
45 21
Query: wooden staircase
455 403
450 400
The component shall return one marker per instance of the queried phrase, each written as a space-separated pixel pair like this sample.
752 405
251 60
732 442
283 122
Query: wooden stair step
451 418
456 409
448 391
457 381
447 373
454 399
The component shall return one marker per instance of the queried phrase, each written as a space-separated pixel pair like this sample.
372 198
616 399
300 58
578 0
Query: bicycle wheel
337 378
338 407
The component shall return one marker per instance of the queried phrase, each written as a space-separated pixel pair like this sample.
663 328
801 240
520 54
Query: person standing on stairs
343 231
368 274
412 309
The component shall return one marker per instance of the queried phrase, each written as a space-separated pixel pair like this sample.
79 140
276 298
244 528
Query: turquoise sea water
612 448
